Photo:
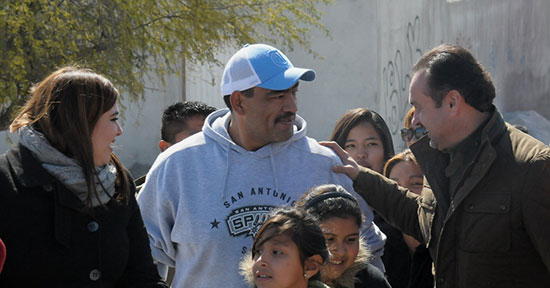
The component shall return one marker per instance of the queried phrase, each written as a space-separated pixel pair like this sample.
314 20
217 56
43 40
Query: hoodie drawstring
226 174
273 168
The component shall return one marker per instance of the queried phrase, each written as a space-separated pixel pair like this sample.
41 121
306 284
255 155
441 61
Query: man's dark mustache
285 115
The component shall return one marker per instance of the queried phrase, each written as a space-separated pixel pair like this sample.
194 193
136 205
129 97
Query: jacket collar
27 168
431 161
30 173
483 159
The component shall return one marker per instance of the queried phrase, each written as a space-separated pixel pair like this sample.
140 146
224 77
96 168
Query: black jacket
52 241
403 269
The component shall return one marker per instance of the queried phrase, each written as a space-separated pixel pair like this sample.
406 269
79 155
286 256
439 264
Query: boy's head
181 120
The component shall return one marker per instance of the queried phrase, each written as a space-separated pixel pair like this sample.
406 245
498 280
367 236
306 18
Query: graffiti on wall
396 78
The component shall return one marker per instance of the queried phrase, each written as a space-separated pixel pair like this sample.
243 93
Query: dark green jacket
495 232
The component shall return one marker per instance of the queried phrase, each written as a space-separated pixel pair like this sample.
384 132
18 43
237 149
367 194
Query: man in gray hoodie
205 197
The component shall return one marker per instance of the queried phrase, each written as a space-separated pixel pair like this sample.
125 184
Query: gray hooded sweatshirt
205 198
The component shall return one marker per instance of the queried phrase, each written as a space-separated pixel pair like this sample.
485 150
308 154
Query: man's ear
455 101
312 266
237 102
163 145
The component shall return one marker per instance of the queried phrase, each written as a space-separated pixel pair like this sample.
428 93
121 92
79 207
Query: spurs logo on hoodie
246 220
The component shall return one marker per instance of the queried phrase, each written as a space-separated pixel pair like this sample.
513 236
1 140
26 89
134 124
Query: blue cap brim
288 78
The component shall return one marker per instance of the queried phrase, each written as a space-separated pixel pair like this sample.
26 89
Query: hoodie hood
216 127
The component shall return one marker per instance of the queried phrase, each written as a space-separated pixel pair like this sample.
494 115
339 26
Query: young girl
404 169
288 252
364 134
339 216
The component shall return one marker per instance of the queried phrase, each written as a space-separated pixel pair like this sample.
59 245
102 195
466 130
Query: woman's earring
305 275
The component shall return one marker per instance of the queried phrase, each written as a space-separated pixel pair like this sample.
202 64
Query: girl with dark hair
288 252
364 134
366 137
339 217
414 257
67 207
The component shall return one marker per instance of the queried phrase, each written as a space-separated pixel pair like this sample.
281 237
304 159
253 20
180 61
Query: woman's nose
362 153
119 129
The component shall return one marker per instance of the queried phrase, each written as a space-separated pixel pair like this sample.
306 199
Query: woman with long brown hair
68 214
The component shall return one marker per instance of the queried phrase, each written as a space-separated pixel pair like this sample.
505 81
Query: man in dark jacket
485 207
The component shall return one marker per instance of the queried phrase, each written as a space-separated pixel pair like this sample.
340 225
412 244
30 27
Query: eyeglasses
408 133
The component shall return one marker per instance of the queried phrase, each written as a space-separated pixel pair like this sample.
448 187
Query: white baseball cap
263 66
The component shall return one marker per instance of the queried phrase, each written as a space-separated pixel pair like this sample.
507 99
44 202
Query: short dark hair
452 67
335 206
175 116
247 93
357 116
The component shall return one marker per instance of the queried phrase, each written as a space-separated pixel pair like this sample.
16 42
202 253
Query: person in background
412 132
288 252
413 256
179 121
364 134
67 208
205 198
488 184
403 169
339 216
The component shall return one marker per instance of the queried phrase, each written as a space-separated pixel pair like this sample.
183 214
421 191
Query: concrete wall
367 61
510 38
138 146
375 43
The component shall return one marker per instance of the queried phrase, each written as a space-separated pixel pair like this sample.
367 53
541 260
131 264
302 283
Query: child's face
342 238
365 146
407 174
277 264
